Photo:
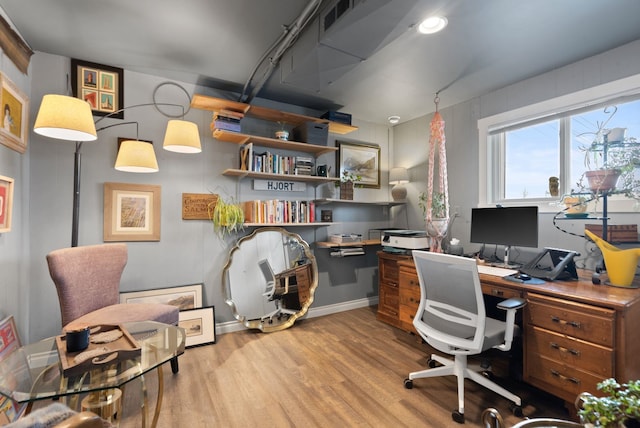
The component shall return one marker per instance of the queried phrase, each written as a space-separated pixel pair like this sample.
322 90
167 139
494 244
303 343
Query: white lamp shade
398 176
182 137
136 156
65 118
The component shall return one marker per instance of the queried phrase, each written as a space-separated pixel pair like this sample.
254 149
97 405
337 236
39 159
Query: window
524 152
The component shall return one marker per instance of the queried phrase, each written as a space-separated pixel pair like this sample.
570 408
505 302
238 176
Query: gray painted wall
411 144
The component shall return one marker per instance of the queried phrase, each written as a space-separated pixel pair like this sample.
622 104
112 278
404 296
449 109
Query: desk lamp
398 177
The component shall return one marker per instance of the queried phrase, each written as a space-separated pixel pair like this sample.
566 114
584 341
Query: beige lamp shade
136 156
182 137
65 118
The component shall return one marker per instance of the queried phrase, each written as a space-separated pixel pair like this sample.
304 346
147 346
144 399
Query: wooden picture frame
184 297
14 132
199 326
6 203
102 86
359 159
131 212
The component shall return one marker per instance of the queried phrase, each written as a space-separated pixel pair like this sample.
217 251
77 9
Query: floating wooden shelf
240 138
242 173
364 242
204 102
314 224
325 201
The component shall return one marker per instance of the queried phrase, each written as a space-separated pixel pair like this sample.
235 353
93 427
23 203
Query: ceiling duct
345 33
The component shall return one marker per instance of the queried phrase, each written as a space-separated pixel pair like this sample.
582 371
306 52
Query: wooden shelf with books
325 201
240 138
204 102
242 173
314 224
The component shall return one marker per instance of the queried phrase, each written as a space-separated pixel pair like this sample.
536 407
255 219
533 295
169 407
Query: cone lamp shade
182 137
65 118
136 156
398 176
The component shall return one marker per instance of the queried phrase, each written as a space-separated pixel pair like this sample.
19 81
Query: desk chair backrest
269 276
87 278
451 316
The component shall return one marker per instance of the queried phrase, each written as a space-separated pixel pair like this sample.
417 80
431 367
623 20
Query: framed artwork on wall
131 212
199 326
102 86
359 159
6 203
14 132
184 297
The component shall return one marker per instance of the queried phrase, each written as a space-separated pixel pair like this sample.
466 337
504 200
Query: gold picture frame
6 203
131 212
359 159
102 86
14 132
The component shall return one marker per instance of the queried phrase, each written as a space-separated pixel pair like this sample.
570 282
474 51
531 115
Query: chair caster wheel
517 411
488 374
408 384
432 363
457 417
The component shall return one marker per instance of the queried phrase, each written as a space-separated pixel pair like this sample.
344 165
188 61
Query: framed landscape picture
359 159
14 132
131 212
102 86
184 297
199 326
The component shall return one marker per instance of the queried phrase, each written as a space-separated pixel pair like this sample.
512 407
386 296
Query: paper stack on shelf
349 238
227 120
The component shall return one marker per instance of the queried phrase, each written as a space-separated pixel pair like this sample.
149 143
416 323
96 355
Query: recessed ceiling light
433 24
394 119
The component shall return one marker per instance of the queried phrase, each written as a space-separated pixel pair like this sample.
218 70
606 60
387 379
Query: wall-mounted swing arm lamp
69 118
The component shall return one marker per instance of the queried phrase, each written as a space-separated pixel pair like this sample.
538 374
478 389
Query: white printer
408 239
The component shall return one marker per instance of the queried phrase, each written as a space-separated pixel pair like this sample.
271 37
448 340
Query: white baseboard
231 326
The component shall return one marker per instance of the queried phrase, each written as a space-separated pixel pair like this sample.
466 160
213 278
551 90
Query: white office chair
451 318
273 292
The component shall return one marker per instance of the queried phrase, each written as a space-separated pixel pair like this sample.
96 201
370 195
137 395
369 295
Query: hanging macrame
437 214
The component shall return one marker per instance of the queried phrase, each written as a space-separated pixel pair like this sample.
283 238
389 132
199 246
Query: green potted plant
348 180
227 217
618 407
438 207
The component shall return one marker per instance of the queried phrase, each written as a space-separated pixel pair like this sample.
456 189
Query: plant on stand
347 182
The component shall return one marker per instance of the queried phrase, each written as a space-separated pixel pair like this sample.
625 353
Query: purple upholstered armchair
88 283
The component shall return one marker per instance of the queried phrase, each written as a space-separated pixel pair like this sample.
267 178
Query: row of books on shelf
274 163
227 120
279 211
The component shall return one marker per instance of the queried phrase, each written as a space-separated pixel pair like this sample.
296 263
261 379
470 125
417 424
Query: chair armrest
513 303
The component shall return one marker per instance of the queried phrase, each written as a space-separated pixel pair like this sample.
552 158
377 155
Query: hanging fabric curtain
437 206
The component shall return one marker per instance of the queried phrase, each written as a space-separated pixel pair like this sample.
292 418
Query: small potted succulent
618 407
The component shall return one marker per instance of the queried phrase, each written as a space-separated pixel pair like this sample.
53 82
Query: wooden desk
575 333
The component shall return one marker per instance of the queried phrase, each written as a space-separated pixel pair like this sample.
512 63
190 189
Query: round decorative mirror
269 279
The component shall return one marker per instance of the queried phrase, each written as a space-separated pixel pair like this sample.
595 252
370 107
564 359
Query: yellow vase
621 264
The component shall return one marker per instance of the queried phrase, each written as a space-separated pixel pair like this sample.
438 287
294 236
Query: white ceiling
488 44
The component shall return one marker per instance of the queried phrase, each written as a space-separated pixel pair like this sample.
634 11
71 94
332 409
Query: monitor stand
506 264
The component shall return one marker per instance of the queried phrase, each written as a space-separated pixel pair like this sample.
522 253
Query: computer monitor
508 226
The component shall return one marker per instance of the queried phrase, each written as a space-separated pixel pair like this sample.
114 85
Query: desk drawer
590 323
569 351
497 291
566 381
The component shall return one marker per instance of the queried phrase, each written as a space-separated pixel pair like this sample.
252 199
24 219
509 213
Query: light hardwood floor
340 370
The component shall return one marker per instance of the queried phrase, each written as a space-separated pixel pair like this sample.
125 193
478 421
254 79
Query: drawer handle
563 349
393 284
497 292
566 378
565 322
412 282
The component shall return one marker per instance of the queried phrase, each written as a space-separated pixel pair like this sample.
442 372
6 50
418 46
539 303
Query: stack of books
304 165
227 120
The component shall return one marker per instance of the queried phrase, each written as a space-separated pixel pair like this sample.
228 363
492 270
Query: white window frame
488 189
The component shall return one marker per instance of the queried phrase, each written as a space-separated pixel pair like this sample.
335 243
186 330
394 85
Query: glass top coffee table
34 372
